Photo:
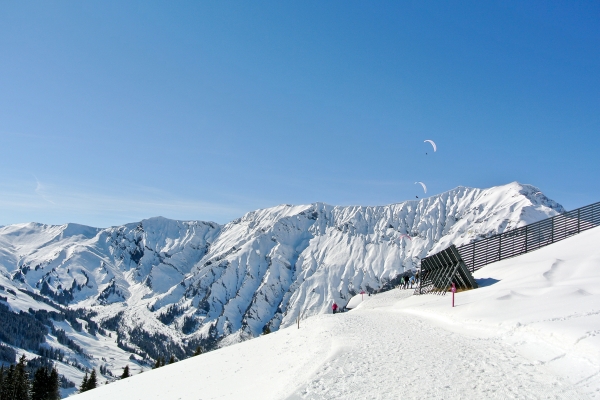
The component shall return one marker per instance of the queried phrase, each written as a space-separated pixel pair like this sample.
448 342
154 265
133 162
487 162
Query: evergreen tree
21 383
45 384
198 351
8 383
172 360
125 373
160 362
1 380
53 392
84 384
39 387
92 382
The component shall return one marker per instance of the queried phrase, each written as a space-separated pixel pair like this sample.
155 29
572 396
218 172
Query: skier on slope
334 307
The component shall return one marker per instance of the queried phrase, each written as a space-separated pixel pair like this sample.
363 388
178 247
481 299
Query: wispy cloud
49 203
41 190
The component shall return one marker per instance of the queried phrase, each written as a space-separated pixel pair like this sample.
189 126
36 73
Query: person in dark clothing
334 307
405 281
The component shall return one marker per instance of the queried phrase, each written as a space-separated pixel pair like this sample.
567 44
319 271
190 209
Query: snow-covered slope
168 286
108 270
529 331
80 348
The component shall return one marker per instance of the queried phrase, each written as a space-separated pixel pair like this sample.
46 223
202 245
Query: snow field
530 331
384 356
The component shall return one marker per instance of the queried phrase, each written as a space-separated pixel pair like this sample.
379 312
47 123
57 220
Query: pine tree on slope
45 384
8 383
84 383
21 381
125 373
92 382
1 379
53 392
39 387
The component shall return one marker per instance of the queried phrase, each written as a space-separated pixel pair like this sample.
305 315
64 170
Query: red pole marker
362 295
453 291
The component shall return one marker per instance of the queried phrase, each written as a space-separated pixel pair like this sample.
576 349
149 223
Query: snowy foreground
531 331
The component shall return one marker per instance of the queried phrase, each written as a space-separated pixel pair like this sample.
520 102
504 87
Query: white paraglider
432 143
424 187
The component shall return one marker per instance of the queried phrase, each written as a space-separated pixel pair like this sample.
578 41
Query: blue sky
111 112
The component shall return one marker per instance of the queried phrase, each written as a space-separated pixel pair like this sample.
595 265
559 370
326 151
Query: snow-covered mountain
165 287
530 331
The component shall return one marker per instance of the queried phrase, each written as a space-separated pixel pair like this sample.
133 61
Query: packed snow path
379 354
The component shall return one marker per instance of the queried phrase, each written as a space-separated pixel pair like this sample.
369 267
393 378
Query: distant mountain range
163 287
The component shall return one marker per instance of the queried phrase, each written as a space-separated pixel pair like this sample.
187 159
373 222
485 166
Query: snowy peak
475 213
33 235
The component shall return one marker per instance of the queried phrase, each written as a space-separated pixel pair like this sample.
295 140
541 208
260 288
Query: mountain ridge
193 283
